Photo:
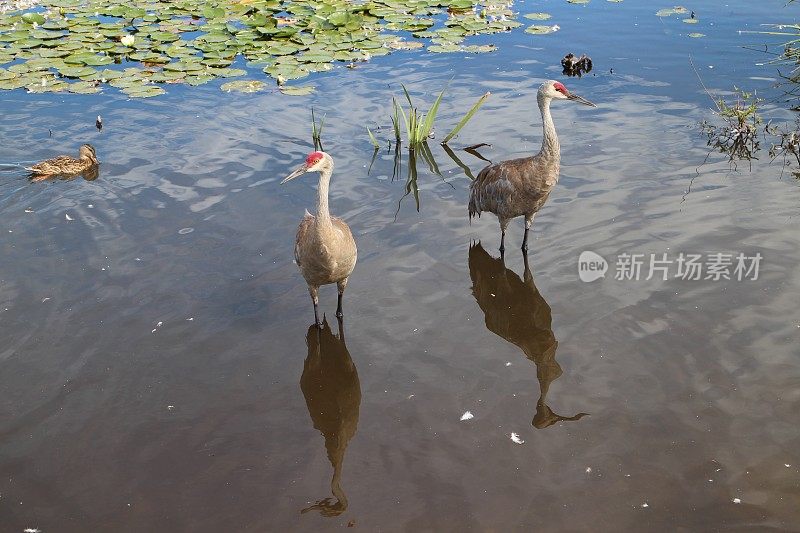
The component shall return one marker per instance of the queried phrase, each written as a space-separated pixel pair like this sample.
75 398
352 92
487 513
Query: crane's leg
314 292
528 224
503 225
341 285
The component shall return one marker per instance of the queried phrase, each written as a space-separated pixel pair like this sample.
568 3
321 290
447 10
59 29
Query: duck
65 165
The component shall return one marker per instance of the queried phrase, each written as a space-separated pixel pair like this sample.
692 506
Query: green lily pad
696 35
244 86
540 30
32 18
88 58
143 91
677 10
578 1
296 90
690 21
83 87
75 72
538 16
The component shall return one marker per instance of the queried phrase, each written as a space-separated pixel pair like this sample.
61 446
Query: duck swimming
65 165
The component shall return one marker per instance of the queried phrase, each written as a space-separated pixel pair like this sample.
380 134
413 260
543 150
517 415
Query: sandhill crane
516 311
520 187
332 391
325 250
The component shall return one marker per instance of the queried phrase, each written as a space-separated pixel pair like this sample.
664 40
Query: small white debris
45 299
90 206
28 210
170 407
67 216
467 416
190 319
787 465
588 469
492 294
185 231
410 396
737 500
645 505
516 439
32 530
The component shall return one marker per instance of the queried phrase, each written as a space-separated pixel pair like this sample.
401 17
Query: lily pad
32 18
677 10
696 35
538 16
297 90
143 91
541 30
244 86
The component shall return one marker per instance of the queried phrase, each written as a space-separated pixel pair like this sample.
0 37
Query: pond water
159 371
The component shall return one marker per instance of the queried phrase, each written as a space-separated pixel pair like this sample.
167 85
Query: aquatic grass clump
738 135
414 127
419 126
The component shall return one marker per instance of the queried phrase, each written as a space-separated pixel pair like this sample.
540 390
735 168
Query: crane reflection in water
516 311
332 391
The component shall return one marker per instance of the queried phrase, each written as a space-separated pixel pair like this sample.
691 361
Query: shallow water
159 373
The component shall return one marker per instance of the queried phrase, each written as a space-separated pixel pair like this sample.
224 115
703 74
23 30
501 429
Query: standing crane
518 187
325 250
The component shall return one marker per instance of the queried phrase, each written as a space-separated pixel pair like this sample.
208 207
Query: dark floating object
576 66
99 123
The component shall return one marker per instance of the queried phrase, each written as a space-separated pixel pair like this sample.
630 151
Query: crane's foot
339 313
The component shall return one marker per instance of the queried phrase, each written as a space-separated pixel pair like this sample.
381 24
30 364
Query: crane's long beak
580 99
302 169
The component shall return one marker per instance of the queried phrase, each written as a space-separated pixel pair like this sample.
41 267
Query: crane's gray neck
323 214
550 147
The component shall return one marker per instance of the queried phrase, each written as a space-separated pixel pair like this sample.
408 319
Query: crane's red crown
558 86
313 158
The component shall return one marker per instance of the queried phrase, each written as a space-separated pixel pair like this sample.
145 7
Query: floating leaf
297 90
83 87
696 35
244 86
538 16
143 91
541 30
32 18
